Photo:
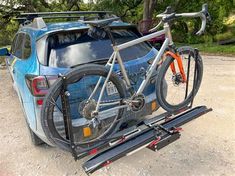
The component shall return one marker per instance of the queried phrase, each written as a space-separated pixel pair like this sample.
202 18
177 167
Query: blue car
41 51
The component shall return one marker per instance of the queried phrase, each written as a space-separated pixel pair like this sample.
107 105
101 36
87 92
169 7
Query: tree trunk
145 16
146 10
149 6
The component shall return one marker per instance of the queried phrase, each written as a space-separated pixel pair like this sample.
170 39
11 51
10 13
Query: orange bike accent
179 62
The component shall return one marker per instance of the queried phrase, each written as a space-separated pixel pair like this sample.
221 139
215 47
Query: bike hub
137 103
177 79
86 108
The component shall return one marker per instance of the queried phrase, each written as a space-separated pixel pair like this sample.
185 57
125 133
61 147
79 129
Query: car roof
62 26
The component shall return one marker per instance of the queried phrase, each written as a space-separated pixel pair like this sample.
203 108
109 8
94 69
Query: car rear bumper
128 116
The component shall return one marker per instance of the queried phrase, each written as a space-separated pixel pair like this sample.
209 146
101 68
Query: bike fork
180 65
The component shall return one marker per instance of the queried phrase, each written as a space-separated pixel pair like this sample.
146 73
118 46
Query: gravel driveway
206 147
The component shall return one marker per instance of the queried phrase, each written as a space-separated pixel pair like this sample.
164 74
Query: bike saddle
101 23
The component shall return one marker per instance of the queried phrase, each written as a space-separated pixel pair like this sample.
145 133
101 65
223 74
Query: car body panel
19 68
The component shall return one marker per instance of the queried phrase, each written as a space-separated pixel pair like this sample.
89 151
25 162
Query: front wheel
178 95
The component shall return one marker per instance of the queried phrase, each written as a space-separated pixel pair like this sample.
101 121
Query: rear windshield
72 48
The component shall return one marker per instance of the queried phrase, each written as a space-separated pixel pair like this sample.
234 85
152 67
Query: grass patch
215 49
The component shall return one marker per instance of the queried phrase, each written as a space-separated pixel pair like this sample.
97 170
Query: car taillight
39 102
39 85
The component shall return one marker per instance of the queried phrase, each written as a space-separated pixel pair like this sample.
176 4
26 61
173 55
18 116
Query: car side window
18 48
21 46
26 47
13 44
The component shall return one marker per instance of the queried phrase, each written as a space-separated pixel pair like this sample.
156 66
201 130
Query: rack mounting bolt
67 93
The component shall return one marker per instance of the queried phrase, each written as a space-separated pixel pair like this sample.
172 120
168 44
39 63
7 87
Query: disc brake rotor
86 107
177 79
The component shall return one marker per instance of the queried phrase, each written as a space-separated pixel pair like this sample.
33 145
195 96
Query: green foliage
9 9
131 11
7 32
128 10
225 36
218 9
216 49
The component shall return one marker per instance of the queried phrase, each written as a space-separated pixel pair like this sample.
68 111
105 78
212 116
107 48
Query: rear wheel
34 138
87 129
176 97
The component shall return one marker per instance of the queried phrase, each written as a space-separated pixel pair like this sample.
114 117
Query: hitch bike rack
150 134
154 133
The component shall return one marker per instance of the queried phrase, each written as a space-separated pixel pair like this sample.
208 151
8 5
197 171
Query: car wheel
34 138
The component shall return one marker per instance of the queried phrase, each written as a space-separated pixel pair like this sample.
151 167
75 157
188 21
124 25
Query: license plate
111 88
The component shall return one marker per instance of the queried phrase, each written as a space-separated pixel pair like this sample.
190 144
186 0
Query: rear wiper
100 61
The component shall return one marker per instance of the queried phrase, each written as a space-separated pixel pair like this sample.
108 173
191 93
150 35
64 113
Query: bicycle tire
75 75
161 99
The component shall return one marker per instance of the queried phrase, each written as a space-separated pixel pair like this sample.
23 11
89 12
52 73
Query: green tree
128 10
9 9
132 11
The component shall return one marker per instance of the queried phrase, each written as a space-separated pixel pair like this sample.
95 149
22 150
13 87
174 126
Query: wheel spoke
55 104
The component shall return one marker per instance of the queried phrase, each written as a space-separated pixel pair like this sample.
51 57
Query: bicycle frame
155 61
116 56
204 15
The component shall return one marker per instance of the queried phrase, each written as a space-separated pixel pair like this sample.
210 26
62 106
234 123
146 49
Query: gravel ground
206 147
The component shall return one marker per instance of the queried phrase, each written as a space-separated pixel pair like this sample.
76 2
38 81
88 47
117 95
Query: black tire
161 99
34 138
71 77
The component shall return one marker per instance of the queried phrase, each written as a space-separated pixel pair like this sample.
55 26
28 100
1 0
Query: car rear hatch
62 56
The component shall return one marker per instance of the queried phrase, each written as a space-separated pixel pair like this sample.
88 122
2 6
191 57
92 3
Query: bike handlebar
168 15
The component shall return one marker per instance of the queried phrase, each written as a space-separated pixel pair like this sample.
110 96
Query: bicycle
110 94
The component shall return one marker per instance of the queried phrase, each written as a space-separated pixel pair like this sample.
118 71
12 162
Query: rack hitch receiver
152 134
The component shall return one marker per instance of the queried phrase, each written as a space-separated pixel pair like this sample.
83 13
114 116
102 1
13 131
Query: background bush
222 27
